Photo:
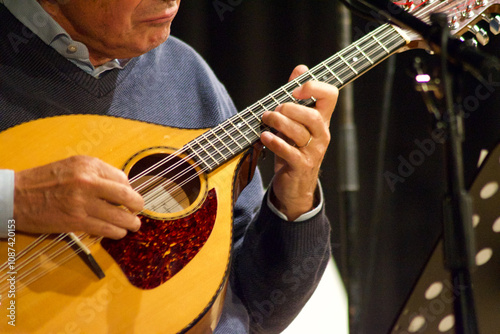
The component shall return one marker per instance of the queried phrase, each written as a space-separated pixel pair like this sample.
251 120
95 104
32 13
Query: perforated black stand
429 309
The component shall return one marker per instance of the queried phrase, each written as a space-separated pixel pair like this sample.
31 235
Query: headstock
465 17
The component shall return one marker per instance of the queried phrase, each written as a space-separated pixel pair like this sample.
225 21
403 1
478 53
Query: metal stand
349 189
457 209
430 307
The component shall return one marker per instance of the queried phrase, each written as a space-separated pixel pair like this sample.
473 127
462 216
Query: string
136 178
172 190
21 264
331 72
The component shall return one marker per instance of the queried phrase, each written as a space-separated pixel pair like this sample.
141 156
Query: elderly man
115 58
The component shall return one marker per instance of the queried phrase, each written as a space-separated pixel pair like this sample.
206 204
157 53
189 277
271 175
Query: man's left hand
300 145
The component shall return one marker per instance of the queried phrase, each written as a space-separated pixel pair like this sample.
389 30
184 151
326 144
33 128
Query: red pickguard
161 248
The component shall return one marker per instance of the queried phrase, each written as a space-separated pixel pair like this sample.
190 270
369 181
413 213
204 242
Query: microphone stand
349 188
459 246
457 207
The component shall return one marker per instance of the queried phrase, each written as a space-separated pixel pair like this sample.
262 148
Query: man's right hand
78 194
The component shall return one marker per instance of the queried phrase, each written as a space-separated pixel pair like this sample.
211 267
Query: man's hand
300 145
78 194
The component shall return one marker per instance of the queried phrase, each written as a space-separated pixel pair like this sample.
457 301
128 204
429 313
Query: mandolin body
145 289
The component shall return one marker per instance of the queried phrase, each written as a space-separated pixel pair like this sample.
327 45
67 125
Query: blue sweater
172 85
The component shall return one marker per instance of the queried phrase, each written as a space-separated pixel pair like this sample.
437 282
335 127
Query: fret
259 120
207 166
237 129
359 60
263 107
274 99
215 147
205 150
330 70
258 135
364 54
270 101
223 143
297 82
352 68
380 43
229 135
312 76
289 95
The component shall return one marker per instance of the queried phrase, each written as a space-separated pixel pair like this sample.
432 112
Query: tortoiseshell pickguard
161 248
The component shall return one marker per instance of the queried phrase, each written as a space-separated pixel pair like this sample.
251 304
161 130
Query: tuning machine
493 21
480 34
469 41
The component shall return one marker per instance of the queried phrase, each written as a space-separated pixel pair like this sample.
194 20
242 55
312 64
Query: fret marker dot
354 59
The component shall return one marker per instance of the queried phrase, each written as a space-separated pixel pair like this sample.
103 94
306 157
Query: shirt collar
35 18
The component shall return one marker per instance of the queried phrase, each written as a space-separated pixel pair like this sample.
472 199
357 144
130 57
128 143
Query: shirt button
72 48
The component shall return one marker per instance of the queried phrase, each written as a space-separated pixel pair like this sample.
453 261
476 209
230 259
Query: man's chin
152 42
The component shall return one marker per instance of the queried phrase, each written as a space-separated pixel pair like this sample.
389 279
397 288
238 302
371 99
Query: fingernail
138 224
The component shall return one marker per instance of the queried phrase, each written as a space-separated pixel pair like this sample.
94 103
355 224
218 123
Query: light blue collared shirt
6 200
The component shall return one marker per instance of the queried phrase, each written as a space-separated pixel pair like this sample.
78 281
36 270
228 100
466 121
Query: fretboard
241 131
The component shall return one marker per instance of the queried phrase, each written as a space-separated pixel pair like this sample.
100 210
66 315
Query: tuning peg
467 13
480 34
469 42
454 22
494 22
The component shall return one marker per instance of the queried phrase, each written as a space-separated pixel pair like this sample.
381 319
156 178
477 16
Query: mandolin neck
241 131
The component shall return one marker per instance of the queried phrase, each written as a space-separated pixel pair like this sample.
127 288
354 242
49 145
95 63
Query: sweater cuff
297 238
305 216
6 200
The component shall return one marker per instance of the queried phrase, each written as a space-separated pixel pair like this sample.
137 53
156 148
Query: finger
112 173
120 194
114 215
325 95
280 147
93 165
286 121
297 71
99 227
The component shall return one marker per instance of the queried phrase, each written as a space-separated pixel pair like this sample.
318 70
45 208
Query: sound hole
167 183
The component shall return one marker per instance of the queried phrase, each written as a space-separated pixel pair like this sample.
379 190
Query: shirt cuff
304 216
6 200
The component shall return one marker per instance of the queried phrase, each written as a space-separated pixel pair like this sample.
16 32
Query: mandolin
171 275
